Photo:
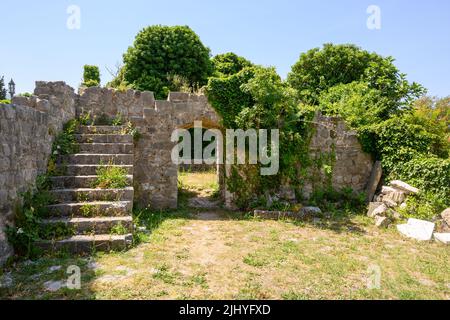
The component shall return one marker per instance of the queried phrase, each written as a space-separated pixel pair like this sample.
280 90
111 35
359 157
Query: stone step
91 209
88 244
70 182
101 130
86 194
104 138
91 158
89 169
106 148
102 225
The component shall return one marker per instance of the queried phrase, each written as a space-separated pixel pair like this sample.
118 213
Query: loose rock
417 229
404 187
382 222
442 237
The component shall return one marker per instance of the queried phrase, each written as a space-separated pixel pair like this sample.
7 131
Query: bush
321 69
228 64
6 101
91 76
160 52
111 177
227 97
426 172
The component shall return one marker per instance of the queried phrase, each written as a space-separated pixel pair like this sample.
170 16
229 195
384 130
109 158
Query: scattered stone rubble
303 214
384 205
384 208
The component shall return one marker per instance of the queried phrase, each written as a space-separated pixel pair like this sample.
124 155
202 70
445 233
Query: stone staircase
93 216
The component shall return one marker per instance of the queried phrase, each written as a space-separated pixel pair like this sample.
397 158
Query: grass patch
111 177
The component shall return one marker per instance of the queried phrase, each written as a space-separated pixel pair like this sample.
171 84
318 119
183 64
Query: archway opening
199 182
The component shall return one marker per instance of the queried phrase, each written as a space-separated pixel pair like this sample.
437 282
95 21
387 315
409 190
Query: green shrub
28 218
229 63
426 172
65 142
320 69
91 76
111 177
426 206
227 97
160 51
6 101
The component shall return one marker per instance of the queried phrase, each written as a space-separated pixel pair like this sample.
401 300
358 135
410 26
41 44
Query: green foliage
229 63
28 218
426 206
345 199
2 89
6 101
426 172
111 177
321 69
161 52
356 103
65 142
25 94
91 76
227 97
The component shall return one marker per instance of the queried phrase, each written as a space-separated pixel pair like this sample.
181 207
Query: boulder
372 207
417 229
390 203
306 212
445 215
396 196
442 237
403 186
376 209
382 222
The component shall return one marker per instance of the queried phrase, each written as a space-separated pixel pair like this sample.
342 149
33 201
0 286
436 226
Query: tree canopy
229 63
321 69
160 54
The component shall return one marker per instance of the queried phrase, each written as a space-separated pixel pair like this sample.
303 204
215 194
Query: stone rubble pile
384 207
384 210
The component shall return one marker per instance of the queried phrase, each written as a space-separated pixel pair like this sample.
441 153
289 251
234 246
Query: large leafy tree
322 68
229 63
160 54
2 89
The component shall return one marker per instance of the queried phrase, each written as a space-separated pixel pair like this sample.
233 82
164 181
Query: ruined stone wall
27 129
155 176
333 145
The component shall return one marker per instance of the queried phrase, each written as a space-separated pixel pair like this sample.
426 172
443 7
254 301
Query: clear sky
37 45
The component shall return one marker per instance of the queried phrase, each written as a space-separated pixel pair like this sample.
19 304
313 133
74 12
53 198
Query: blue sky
37 45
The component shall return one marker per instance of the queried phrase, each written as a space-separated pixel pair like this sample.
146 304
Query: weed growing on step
111 177
88 210
131 130
119 230
65 142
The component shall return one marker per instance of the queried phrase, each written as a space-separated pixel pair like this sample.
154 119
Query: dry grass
222 255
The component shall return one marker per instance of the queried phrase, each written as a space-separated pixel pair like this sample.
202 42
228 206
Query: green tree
229 63
160 54
91 76
2 89
320 69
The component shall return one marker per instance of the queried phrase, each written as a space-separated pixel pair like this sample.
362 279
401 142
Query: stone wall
27 130
155 176
29 125
334 145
